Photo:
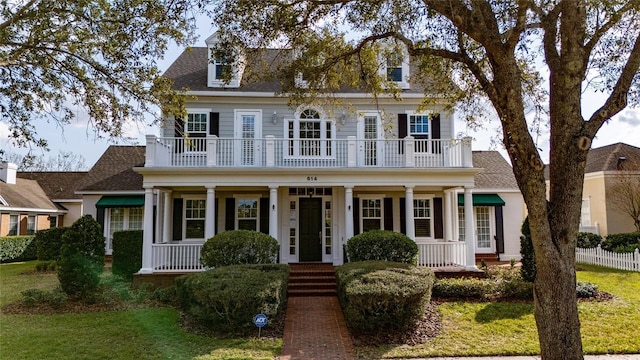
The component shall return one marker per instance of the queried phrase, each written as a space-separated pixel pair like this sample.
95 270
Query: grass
505 328
147 333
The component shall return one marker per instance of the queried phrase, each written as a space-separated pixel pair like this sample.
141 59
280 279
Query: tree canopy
62 58
500 51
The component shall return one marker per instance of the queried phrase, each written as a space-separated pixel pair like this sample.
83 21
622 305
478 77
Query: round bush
81 257
588 240
237 247
382 245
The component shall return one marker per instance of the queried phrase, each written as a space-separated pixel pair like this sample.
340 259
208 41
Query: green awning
483 200
121 201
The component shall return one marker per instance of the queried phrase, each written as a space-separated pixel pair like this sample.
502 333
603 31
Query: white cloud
629 116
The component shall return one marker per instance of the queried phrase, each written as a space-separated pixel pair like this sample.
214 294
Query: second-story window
394 68
310 135
197 125
222 69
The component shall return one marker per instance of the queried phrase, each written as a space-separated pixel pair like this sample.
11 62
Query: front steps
312 279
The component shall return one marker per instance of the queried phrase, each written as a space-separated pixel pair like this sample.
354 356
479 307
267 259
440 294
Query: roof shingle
497 173
114 170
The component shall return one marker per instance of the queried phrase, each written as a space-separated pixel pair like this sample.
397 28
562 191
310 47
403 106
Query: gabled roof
58 185
25 194
609 157
497 173
114 170
189 71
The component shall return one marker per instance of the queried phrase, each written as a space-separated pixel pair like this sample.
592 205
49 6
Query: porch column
210 213
408 204
469 230
273 212
348 213
448 216
168 207
147 237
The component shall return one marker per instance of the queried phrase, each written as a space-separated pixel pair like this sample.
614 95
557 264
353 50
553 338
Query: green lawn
151 333
500 328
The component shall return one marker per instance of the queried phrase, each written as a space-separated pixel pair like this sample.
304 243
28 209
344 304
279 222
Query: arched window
310 134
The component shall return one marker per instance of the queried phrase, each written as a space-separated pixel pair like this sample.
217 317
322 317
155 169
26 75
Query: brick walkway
314 329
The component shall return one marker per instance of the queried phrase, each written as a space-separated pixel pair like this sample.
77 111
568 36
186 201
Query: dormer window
225 67
394 68
222 69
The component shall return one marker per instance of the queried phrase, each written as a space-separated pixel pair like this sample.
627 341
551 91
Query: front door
310 229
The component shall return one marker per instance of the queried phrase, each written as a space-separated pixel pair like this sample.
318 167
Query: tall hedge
588 240
49 243
236 247
82 257
127 253
382 296
17 248
528 257
382 245
624 242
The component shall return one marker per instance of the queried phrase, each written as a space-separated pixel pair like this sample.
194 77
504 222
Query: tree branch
17 15
597 35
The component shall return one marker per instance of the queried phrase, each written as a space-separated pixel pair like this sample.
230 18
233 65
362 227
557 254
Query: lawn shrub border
17 248
624 242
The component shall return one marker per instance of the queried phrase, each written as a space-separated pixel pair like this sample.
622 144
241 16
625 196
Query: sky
78 137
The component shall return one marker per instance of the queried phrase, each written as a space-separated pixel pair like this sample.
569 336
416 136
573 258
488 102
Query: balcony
307 153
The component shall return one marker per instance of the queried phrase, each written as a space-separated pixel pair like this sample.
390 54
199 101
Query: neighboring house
60 187
316 175
24 205
112 192
604 167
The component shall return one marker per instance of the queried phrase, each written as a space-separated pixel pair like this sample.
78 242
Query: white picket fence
597 256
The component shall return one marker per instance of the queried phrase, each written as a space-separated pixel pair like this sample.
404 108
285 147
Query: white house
313 176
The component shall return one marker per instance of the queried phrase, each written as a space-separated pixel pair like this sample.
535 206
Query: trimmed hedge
226 299
17 248
237 247
382 245
588 240
625 242
463 288
382 296
127 253
49 243
82 257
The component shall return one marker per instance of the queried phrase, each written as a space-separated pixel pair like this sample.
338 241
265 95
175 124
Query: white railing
313 153
591 229
597 256
442 254
176 257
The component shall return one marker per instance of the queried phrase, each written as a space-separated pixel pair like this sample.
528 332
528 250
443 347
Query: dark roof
497 173
608 157
56 184
25 193
190 69
114 170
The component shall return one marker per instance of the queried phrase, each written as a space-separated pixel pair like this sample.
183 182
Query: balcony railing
307 153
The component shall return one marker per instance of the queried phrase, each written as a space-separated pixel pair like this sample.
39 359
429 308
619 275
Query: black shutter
99 217
403 216
435 134
264 215
214 124
230 214
388 214
438 226
402 131
177 218
216 206
178 132
356 216
499 230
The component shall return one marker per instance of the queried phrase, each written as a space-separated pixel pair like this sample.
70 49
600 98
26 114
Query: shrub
48 265
17 248
166 295
516 289
237 247
528 260
588 240
586 289
382 245
382 296
464 288
625 242
34 297
49 243
226 299
127 253
82 257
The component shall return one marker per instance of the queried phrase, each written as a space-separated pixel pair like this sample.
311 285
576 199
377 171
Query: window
53 221
14 225
585 212
31 224
394 67
419 126
123 219
461 223
247 214
422 217
196 124
194 218
371 214
223 69
483 226
327 227
310 135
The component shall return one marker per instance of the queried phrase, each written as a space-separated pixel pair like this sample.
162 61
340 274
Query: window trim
126 216
492 227
361 199
429 197
237 67
405 68
185 198
17 225
238 197
327 145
